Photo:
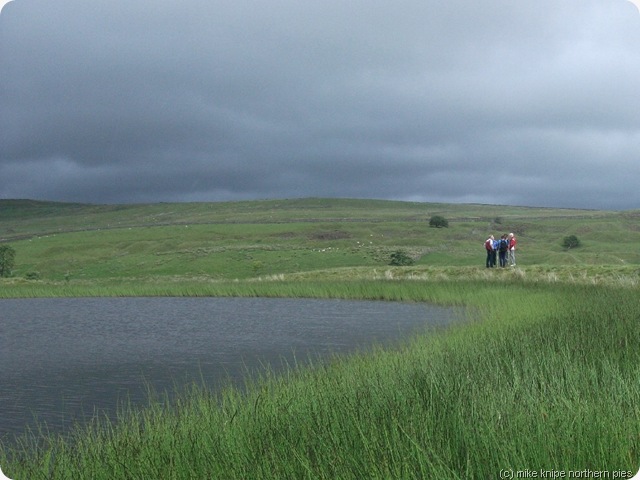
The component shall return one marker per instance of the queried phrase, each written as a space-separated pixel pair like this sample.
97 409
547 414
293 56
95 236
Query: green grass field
543 376
81 244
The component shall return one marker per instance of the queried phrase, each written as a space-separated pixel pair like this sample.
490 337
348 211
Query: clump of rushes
541 376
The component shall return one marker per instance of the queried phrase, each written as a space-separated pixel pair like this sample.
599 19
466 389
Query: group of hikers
503 250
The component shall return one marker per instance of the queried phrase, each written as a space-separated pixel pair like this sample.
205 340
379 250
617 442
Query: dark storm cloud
493 102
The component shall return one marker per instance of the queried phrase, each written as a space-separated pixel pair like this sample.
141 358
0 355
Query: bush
400 258
7 260
438 222
570 242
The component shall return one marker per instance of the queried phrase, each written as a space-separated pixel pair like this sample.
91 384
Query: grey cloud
529 103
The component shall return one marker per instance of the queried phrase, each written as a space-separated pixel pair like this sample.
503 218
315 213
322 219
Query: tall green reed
543 377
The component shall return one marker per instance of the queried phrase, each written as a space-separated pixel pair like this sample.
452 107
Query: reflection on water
63 360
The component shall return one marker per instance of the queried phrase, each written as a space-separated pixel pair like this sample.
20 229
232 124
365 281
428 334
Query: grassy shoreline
626 276
547 378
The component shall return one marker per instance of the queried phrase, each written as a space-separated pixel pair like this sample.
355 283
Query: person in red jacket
488 245
512 249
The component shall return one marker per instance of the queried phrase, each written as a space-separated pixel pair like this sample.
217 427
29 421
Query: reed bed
336 281
541 376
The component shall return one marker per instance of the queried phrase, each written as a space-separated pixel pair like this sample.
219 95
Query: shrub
570 241
7 260
438 221
400 258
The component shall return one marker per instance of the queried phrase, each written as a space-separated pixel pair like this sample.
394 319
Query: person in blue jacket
503 248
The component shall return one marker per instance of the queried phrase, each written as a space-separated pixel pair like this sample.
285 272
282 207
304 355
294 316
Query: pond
64 360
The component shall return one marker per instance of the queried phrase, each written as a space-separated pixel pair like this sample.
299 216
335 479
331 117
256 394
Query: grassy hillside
239 240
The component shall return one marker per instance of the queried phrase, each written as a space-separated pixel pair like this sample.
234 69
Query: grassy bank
327 283
547 376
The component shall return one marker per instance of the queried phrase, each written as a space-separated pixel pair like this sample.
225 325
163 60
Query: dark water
63 360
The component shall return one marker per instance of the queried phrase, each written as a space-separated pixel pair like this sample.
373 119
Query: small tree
570 242
7 260
438 221
399 258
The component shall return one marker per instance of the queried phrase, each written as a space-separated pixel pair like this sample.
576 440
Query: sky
492 101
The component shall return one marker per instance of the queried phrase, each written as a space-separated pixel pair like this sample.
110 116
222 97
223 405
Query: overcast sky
532 103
